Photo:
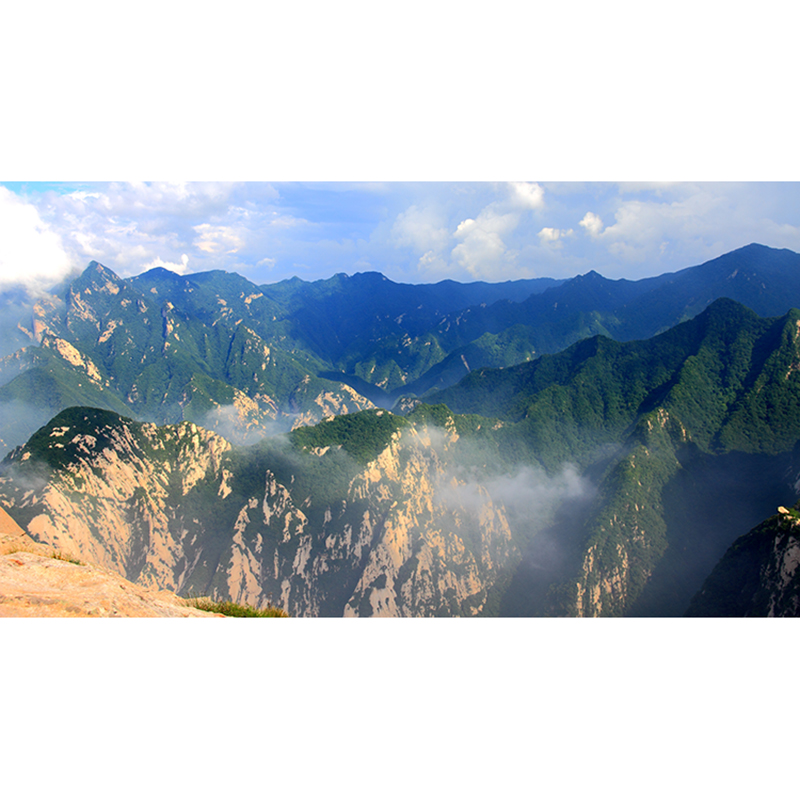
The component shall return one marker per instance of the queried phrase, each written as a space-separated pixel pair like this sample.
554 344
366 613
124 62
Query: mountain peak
161 273
96 268
592 275
97 277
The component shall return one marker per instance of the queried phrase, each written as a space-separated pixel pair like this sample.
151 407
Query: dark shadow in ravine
711 502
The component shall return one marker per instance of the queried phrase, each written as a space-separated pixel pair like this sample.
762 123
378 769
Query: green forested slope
724 382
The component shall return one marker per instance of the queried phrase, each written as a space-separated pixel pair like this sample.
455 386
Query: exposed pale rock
38 581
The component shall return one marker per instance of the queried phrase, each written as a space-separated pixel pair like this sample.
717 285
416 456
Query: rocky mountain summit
38 581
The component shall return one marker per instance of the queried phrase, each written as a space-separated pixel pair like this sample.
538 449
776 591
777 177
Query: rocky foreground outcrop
312 530
38 581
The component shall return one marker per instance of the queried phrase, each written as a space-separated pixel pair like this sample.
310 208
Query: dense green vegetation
363 435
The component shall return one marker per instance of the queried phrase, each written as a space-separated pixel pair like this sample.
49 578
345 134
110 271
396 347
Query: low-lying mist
529 494
244 429
18 422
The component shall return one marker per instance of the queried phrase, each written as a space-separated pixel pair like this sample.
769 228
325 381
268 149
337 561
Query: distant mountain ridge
241 358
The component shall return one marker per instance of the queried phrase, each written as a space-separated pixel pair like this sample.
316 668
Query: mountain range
359 447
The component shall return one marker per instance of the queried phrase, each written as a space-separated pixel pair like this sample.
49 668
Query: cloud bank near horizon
411 232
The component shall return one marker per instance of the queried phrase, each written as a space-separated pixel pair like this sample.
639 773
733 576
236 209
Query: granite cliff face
178 508
388 547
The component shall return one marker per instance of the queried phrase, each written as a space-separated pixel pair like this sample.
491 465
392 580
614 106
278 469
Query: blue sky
424 141
410 231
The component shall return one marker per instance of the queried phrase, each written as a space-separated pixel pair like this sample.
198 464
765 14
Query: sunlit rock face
176 508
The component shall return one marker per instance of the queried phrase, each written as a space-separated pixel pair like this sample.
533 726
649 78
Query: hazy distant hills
763 279
219 350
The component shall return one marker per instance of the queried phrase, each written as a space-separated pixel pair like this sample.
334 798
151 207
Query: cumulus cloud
216 239
181 269
483 251
448 241
554 237
132 226
31 253
422 229
690 219
526 195
592 224
433 264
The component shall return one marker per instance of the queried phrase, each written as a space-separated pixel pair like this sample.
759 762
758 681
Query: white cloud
554 236
30 252
526 195
182 268
592 223
421 229
483 252
433 265
643 229
216 239
78 195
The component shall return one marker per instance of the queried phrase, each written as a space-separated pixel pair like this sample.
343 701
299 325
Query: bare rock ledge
36 581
